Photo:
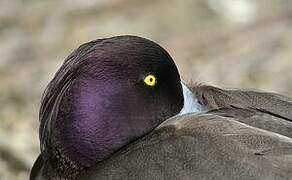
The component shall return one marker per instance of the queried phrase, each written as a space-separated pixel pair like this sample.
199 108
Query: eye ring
150 80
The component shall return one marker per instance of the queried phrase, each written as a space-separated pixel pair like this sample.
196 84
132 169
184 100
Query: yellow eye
150 80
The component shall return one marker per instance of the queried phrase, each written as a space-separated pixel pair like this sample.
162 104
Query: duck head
107 93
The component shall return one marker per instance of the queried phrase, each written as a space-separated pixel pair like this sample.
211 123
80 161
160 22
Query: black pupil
151 79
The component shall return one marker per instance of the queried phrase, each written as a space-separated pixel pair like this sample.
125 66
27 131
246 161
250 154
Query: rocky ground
243 43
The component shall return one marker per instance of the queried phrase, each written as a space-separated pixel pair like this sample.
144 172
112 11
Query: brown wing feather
269 111
215 98
258 119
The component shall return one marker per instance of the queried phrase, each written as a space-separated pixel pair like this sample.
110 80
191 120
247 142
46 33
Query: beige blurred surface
227 43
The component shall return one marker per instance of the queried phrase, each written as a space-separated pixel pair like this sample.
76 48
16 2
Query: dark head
108 93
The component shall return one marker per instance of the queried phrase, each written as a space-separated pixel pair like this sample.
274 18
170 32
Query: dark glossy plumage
98 102
98 119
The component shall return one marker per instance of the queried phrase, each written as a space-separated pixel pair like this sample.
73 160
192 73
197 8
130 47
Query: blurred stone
239 11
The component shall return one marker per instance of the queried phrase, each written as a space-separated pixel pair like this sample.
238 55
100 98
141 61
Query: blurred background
227 43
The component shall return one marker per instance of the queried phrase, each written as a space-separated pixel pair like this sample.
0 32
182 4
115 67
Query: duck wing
269 111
